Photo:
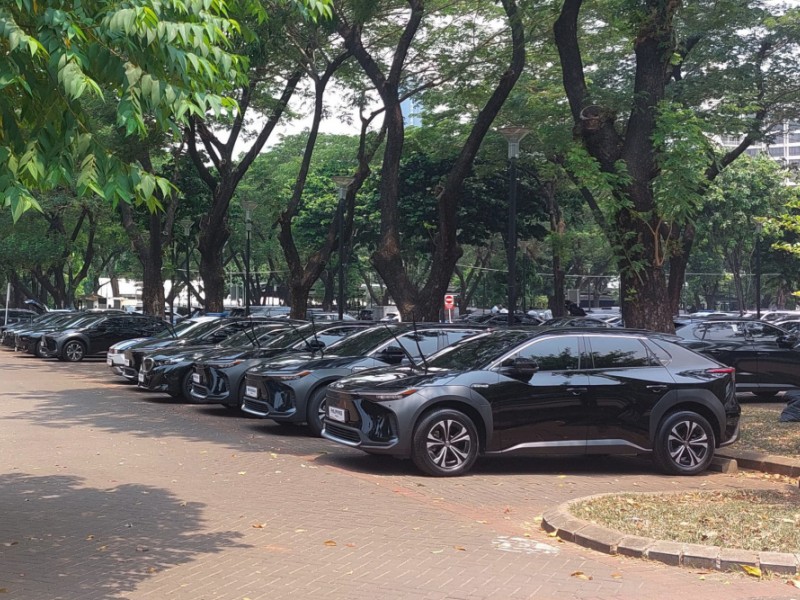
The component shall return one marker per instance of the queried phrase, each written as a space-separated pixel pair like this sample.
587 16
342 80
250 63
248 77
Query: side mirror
519 368
392 354
787 341
315 345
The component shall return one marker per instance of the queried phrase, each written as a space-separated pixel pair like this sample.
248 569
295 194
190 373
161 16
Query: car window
477 352
454 336
553 354
763 331
613 352
422 343
723 331
334 334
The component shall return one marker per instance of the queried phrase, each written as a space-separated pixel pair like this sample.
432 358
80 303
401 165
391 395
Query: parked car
542 392
218 376
292 389
115 357
766 357
7 331
169 370
31 340
95 337
16 315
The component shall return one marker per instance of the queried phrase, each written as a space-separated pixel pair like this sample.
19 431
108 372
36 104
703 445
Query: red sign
449 301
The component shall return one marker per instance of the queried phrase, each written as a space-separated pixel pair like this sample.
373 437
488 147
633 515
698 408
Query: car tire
315 411
445 443
186 386
38 349
684 444
73 351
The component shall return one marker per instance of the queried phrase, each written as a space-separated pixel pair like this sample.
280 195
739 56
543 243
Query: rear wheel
315 411
684 444
73 351
445 443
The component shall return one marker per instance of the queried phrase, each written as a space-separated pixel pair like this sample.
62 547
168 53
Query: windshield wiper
416 340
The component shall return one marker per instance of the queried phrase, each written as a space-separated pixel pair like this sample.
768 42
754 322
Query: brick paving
108 492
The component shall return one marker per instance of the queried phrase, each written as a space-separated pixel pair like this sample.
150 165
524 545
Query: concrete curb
572 529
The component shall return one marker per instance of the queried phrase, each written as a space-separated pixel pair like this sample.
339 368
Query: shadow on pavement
58 535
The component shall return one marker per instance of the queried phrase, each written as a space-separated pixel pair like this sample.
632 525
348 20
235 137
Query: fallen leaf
460 548
553 534
752 571
9 544
350 545
436 551
507 509
616 576
89 537
142 548
152 570
273 455
483 522
103 548
259 525
794 582
300 530
330 543
3 591
242 472
581 575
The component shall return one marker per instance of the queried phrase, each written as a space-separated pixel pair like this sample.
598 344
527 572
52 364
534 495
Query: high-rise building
782 143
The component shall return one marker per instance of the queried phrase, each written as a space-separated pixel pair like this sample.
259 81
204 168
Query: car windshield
81 320
478 351
297 337
178 331
262 332
204 328
363 342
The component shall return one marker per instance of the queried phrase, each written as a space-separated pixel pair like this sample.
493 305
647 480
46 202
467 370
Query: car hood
395 378
306 361
125 344
193 353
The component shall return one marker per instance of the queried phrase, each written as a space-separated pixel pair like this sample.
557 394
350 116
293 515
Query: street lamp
186 223
248 206
342 182
513 136
759 226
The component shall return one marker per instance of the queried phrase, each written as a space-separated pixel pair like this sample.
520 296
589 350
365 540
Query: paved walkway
112 493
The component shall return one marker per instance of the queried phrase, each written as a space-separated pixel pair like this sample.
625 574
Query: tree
412 68
644 156
156 62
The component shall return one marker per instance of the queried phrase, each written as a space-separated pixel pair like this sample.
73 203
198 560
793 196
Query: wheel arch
702 402
471 409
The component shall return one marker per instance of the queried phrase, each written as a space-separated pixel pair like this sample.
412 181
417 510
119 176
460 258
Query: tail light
722 370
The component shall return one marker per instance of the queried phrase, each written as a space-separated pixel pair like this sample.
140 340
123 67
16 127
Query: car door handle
763 353
577 391
657 388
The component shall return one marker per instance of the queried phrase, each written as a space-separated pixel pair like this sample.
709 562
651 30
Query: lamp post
248 206
342 182
513 136
758 270
187 223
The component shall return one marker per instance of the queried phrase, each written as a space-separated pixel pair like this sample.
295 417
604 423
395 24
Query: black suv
292 389
558 391
97 336
766 357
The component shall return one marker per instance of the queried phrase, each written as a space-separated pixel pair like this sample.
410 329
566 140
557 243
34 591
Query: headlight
226 365
388 397
289 376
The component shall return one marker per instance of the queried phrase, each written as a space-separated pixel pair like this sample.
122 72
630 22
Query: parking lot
109 492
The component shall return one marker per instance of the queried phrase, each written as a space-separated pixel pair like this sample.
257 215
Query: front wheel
73 351
445 443
315 411
684 444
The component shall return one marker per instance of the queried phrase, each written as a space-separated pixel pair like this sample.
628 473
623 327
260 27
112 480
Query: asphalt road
108 492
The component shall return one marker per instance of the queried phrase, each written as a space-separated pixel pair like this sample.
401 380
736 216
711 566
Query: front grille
256 406
343 433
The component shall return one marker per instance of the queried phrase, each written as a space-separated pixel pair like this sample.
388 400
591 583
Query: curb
602 539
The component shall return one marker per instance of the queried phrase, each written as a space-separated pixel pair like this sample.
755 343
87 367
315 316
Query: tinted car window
422 343
721 331
477 352
457 336
763 330
361 343
611 352
553 354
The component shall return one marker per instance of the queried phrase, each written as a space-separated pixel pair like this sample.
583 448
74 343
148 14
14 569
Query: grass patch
762 432
746 519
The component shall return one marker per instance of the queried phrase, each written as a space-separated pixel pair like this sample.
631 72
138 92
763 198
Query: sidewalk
584 533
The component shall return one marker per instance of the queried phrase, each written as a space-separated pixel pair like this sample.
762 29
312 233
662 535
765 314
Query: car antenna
416 340
403 348
300 333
